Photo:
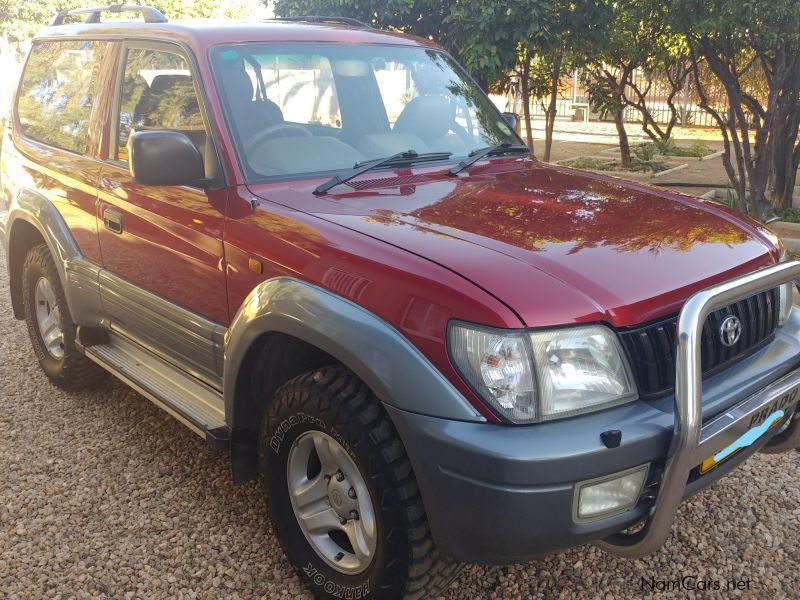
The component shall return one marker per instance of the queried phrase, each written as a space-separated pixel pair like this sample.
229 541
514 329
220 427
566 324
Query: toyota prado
322 248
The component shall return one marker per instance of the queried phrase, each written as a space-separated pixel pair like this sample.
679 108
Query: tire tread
76 370
428 572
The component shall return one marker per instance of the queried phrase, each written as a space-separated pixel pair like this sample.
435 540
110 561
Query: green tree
423 18
530 43
20 19
577 27
663 56
186 9
753 49
496 40
638 39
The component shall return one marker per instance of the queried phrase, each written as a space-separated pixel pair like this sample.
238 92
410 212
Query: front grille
651 348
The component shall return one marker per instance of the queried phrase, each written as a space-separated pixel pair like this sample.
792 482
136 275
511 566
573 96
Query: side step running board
192 402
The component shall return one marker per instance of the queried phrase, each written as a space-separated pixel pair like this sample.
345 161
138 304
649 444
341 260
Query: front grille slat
750 321
651 349
761 308
772 314
646 357
708 349
665 353
772 310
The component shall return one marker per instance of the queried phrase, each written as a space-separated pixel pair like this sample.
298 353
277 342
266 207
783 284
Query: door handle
112 219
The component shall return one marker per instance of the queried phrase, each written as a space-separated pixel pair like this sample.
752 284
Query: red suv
321 247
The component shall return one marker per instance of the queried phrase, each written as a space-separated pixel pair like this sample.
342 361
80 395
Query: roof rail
324 19
150 14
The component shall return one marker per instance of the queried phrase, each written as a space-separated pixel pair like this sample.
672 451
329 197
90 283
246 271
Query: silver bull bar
691 441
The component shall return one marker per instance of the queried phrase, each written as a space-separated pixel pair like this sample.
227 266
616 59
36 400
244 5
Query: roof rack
150 14
324 19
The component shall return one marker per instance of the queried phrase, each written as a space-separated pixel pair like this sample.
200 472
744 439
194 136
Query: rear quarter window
57 92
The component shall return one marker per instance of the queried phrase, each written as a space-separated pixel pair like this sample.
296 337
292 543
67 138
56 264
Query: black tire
72 369
406 564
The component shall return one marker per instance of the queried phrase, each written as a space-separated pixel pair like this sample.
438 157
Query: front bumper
497 494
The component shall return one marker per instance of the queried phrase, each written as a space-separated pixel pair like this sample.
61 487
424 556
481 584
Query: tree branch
736 181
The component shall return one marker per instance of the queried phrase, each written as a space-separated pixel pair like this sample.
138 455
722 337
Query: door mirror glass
165 158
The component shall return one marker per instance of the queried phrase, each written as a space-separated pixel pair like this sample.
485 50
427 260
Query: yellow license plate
752 435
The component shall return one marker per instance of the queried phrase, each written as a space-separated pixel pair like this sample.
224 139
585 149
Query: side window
158 93
58 91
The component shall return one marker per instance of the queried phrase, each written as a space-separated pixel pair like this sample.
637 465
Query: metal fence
573 101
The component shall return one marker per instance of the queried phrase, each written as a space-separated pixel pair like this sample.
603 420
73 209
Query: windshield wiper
477 155
406 156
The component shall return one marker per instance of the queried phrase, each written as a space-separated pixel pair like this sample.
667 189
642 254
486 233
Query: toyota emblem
730 330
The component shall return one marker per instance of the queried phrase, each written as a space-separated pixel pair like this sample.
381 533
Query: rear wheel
341 493
50 325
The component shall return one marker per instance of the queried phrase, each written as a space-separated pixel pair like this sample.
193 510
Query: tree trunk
677 84
783 175
550 114
617 90
524 81
766 169
624 145
785 153
649 125
727 162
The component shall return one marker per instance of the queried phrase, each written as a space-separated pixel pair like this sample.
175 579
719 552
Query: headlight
577 370
580 370
498 366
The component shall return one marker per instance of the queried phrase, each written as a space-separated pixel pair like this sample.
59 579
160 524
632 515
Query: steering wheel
274 131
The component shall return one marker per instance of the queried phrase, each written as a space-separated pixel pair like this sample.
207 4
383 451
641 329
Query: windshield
310 108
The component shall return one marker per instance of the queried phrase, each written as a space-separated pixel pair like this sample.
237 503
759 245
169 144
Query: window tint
158 93
58 90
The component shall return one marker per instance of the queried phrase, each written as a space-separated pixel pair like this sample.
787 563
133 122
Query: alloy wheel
331 502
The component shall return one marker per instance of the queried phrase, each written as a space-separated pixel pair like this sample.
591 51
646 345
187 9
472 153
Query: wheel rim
48 318
331 502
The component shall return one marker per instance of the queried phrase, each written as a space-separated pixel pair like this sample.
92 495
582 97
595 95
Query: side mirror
162 157
512 120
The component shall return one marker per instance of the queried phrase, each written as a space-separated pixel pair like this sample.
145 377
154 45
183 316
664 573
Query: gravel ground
104 495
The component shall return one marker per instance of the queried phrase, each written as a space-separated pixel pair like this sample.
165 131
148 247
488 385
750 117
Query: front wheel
341 493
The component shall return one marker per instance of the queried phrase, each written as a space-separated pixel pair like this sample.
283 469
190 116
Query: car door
164 278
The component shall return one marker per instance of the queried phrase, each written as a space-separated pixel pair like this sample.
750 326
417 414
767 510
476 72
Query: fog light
605 496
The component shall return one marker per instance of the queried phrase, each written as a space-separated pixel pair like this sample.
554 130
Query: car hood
556 245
